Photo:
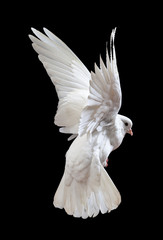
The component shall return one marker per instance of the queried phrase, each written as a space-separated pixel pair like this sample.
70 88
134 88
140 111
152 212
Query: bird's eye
126 124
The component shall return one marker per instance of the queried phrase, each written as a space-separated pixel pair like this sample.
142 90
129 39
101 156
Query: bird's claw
106 162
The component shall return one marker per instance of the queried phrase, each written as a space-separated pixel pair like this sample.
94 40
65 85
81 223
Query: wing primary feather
114 54
45 45
58 68
59 46
47 53
100 79
63 81
97 78
108 65
42 37
104 71
54 61
112 50
58 41
111 57
60 82
93 82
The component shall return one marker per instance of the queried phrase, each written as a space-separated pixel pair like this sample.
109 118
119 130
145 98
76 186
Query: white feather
88 109
104 89
67 73
85 187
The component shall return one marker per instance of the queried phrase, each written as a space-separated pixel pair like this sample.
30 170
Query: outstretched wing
104 98
69 75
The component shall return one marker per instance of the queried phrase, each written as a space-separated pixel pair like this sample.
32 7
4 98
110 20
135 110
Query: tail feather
84 200
111 194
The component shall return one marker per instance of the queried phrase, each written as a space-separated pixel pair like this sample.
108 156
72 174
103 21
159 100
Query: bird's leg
106 163
107 160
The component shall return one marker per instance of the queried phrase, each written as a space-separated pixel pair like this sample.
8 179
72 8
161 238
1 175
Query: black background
40 149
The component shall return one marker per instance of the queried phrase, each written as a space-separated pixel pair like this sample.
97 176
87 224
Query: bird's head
126 124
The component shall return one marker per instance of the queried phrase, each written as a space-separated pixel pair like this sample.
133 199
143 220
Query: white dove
88 110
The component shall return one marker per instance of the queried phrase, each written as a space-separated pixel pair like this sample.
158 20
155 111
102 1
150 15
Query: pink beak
130 132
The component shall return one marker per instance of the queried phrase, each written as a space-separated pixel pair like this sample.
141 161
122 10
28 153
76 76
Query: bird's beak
130 132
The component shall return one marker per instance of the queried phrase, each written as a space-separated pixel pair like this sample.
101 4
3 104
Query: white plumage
88 110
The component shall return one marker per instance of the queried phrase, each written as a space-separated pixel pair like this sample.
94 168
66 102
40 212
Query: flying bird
88 108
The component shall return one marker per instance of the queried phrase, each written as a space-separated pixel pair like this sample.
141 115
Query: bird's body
83 188
85 177
88 109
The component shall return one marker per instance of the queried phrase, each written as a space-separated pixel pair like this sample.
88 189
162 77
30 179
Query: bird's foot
106 162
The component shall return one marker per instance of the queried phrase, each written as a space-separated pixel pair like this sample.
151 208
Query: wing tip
30 37
45 29
33 30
